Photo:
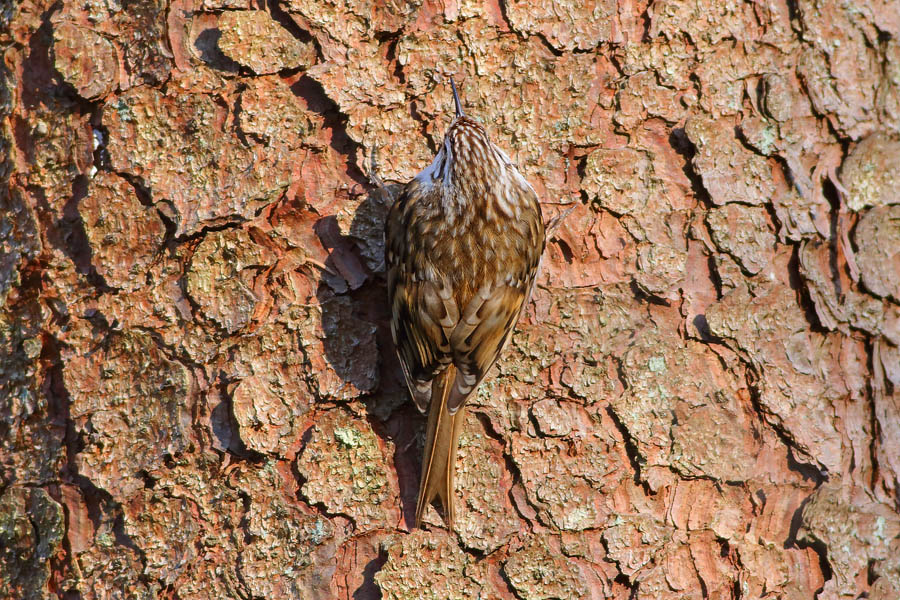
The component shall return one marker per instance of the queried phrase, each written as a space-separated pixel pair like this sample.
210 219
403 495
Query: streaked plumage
463 243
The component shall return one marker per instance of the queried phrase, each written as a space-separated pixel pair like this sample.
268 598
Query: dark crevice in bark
393 40
621 578
602 47
556 52
317 101
704 591
236 118
194 237
61 563
97 501
511 467
742 139
170 351
165 211
406 425
830 193
504 576
815 544
244 523
73 241
65 231
564 248
422 120
368 589
646 26
248 539
207 45
776 222
794 15
147 479
782 163
646 296
877 384
301 480
871 571
295 464
804 299
716 278
806 470
224 424
59 404
40 80
631 449
683 146
141 191
322 509
277 12
789 175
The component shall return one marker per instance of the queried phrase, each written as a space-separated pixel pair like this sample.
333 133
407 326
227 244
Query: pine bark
198 393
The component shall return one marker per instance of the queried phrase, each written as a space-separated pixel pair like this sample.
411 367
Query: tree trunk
199 397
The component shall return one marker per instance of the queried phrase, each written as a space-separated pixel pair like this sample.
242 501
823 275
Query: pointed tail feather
441 442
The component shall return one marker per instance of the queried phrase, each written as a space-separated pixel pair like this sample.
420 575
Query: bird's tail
441 442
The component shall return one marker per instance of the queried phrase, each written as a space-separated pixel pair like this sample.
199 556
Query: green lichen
348 437
657 364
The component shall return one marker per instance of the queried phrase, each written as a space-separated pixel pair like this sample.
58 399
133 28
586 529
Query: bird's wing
420 327
423 310
483 330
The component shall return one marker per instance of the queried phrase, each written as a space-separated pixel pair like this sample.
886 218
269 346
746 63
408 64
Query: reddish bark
198 392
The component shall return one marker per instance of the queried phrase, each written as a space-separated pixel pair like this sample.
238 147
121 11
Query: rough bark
198 393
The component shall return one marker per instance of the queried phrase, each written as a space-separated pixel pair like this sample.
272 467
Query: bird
463 245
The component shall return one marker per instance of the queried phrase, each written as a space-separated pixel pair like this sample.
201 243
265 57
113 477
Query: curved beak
459 110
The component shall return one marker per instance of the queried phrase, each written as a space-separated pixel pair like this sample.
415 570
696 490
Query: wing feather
429 329
423 310
483 331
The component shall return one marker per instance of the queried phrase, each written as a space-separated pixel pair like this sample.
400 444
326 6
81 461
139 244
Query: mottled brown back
464 240
463 244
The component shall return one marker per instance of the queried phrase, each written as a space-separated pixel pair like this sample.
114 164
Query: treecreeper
464 240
